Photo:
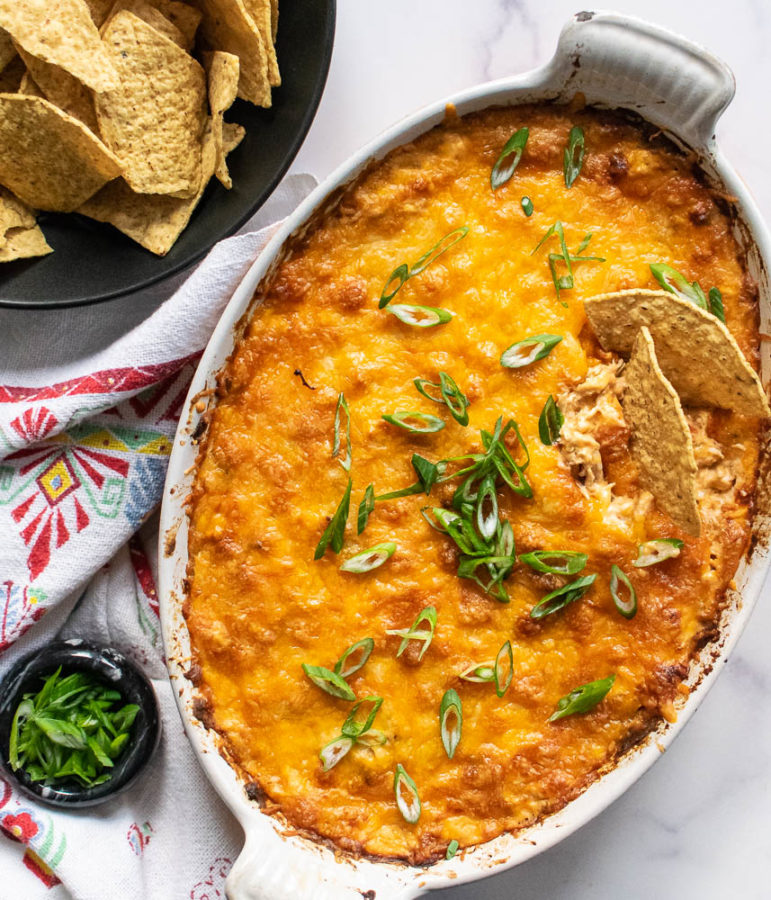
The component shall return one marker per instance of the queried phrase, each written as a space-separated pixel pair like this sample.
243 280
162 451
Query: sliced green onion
403 417
563 596
403 273
345 669
479 673
628 607
501 675
573 157
652 552
366 508
415 633
334 533
400 274
421 316
487 522
558 562
550 422
329 681
676 283
583 698
527 206
565 282
334 751
407 798
452 849
427 472
450 721
354 727
716 304
499 568
449 394
370 559
529 350
509 159
342 406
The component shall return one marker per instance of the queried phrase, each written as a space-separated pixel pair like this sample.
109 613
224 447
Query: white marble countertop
698 824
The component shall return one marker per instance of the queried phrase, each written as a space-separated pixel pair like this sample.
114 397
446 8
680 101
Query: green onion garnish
69 730
527 206
407 799
573 157
415 633
403 273
628 607
557 562
345 669
565 282
676 283
509 159
550 422
427 472
479 673
353 727
449 394
342 406
450 721
366 508
334 533
334 751
329 681
501 674
405 418
563 596
370 559
583 698
487 520
452 849
353 731
421 316
652 552
715 302
529 350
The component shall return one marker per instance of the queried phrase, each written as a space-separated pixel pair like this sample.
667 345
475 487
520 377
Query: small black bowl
109 666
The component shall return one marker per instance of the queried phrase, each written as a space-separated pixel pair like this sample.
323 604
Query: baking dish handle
266 870
668 80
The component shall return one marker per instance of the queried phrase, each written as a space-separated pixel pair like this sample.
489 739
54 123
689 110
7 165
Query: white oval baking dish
616 62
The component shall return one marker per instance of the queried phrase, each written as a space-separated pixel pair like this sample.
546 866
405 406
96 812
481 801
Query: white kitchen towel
84 444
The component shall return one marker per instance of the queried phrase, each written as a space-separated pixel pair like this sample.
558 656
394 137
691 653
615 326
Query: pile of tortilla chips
679 354
115 109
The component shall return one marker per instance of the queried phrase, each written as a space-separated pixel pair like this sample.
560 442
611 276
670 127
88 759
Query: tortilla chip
61 89
60 32
273 19
260 12
232 135
155 122
228 26
661 443
155 222
47 158
11 76
697 353
144 10
28 88
222 71
100 10
22 243
7 50
13 214
186 18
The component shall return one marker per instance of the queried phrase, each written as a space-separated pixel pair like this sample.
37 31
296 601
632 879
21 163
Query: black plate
93 262
113 668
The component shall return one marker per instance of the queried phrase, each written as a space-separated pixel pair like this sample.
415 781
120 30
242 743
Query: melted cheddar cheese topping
259 606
